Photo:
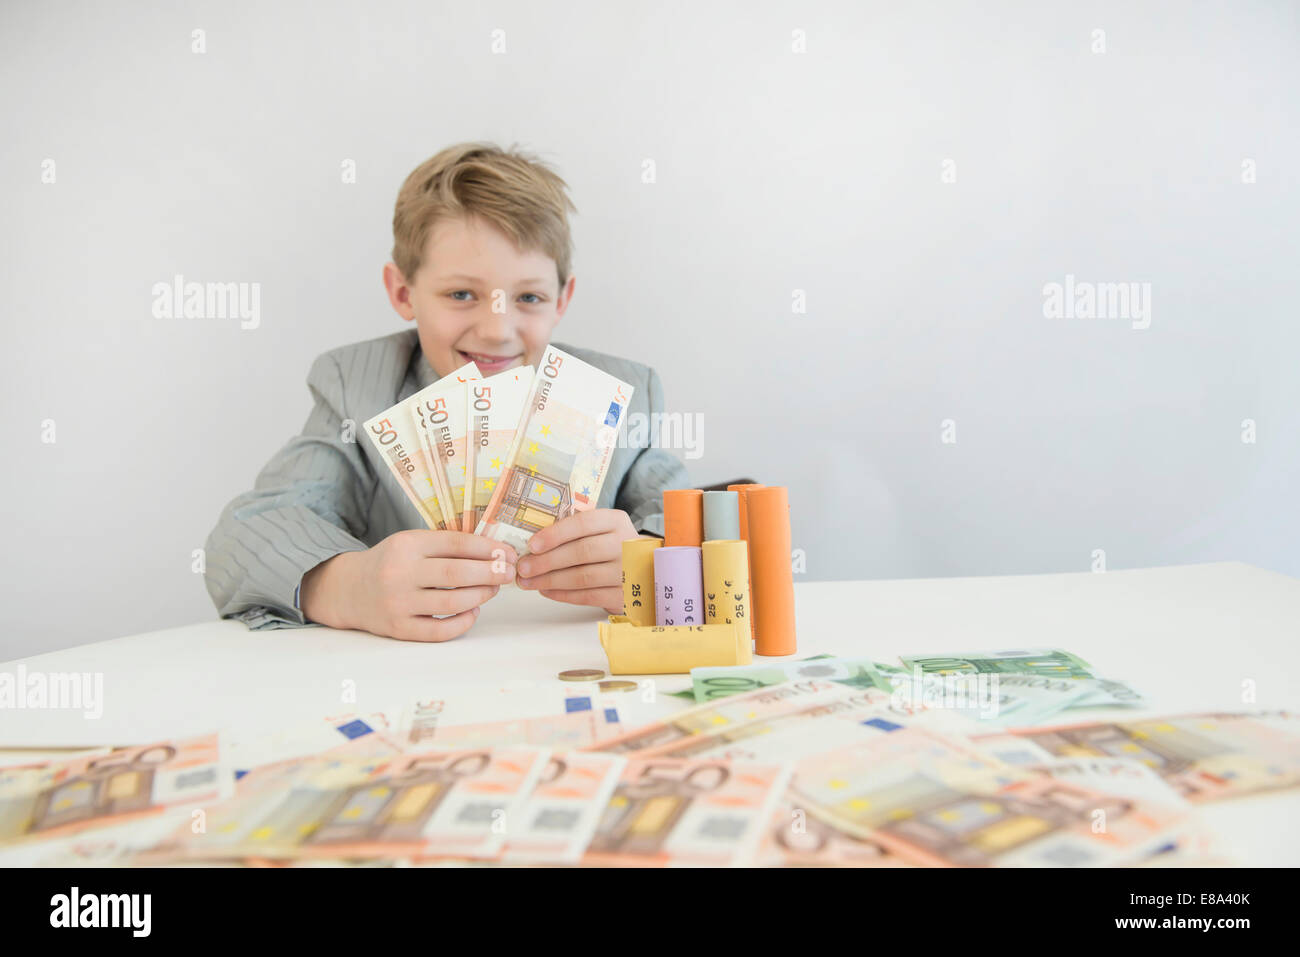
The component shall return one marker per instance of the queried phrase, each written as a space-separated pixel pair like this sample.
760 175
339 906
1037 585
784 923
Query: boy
481 265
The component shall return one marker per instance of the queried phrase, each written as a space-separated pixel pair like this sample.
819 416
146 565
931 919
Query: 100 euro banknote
722 681
1041 662
561 450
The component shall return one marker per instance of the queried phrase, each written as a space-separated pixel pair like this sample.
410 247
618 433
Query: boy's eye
461 295
535 298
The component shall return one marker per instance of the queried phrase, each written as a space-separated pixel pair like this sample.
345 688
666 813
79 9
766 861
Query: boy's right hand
396 587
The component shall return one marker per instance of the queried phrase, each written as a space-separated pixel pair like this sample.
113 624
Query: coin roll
683 517
639 579
771 579
726 582
742 513
679 585
634 650
721 516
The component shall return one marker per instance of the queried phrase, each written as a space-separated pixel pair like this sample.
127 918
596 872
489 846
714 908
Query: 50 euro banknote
440 420
715 716
495 406
396 437
456 803
561 450
63 797
937 802
686 813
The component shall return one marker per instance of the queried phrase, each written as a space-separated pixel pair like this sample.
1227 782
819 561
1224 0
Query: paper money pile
507 455
834 762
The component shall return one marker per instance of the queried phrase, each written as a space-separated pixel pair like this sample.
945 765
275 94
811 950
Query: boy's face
476 298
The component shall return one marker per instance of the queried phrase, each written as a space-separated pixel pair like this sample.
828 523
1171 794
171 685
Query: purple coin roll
679 585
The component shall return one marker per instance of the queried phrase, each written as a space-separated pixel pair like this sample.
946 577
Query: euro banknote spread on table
980 760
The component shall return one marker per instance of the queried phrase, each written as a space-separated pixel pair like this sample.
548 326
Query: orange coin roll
771 581
683 517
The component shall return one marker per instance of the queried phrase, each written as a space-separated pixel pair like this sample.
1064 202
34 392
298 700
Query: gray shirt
327 491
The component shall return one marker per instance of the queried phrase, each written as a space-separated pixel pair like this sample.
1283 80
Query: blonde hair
512 190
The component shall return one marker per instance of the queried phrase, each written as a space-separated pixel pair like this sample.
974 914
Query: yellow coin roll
672 649
726 582
639 579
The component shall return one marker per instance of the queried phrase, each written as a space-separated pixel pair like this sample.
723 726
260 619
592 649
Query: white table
1192 638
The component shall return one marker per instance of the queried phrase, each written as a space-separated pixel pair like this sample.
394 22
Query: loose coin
617 686
581 674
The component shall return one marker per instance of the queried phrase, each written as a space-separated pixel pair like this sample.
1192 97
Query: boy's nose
498 326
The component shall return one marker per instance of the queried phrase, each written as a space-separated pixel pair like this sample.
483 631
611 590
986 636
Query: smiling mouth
483 359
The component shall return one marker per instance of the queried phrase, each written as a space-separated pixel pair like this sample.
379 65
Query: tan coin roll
639 579
726 583
741 491
683 517
770 577
671 650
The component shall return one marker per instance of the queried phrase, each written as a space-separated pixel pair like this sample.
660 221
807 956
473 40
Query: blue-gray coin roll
721 516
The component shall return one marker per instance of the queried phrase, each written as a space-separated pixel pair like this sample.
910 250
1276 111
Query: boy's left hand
579 559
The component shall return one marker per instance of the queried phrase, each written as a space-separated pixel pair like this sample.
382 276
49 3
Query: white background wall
776 171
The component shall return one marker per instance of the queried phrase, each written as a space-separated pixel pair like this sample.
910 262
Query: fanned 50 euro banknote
438 414
561 450
495 407
397 441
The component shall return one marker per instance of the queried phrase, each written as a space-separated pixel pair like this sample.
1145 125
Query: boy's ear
399 291
566 296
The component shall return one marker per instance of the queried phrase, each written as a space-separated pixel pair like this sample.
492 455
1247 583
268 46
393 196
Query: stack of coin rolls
715 589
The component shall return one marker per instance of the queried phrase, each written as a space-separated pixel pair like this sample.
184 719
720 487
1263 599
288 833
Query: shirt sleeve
308 504
652 471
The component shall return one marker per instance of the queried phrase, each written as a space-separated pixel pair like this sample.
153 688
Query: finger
578 525
605 598
601 575
424 628
582 551
450 601
465 545
460 572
